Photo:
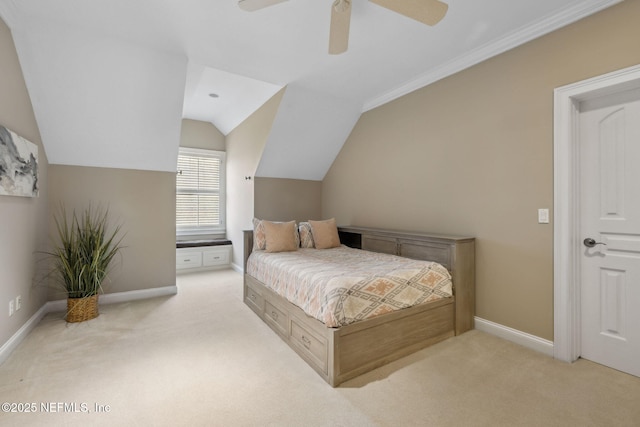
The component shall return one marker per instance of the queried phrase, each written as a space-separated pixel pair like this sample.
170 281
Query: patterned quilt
342 285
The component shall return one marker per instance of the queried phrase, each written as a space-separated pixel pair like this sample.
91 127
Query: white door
610 215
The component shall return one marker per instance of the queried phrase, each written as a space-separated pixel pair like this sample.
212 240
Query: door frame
566 238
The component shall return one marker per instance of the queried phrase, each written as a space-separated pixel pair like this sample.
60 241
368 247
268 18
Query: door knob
589 242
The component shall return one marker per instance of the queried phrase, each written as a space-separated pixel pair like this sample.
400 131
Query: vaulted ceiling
110 81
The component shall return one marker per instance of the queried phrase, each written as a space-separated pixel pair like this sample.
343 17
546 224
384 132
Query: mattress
342 285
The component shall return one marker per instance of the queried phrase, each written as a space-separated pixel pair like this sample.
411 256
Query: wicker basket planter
81 309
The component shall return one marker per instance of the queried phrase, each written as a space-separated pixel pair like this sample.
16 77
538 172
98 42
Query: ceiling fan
428 12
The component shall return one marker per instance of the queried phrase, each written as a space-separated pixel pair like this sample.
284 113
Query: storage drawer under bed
307 342
253 298
276 317
311 346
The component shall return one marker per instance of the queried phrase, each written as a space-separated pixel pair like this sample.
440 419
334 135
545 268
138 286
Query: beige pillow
280 236
325 234
259 241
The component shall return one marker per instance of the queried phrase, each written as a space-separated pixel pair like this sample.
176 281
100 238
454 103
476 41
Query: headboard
248 247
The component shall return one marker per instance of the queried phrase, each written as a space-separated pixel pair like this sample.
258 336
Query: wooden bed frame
339 354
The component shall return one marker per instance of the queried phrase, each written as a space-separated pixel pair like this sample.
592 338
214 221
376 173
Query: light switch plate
543 216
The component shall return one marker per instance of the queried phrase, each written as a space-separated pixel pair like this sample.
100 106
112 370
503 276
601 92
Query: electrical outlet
18 302
11 308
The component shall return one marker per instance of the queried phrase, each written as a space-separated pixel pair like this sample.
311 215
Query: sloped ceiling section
100 101
307 134
236 96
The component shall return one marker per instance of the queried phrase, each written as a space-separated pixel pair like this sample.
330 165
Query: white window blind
200 200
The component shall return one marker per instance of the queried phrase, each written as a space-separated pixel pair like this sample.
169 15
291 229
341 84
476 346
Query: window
200 197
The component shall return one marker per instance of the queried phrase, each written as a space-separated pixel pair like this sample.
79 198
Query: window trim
221 229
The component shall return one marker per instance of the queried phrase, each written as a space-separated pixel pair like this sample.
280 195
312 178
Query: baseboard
61 305
237 268
127 296
180 271
8 347
527 340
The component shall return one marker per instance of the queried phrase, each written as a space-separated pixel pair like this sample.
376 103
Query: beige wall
473 154
244 148
23 220
280 199
143 202
204 135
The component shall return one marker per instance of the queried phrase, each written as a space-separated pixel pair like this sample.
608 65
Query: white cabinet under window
203 258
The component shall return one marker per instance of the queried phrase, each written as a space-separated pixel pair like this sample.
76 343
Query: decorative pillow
280 236
325 233
259 242
306 238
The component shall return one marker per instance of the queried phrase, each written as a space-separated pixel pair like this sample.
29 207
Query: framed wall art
18 165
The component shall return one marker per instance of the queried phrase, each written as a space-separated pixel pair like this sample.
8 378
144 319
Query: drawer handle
187 260
216 257
252 296
306 341
274 315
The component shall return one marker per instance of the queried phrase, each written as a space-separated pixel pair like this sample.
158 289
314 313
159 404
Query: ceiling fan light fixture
341 6
428 12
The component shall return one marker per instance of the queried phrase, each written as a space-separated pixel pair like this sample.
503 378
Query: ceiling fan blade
251 5
428 12
339 30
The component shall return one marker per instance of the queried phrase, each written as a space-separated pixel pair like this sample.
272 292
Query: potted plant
81 259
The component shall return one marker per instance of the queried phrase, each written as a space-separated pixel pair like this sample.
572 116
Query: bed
358 344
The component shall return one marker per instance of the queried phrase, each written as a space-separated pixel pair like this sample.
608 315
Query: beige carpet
202 358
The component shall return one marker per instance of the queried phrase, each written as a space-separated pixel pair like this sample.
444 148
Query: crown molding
510 41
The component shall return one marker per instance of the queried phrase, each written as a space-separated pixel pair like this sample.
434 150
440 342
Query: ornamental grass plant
84 251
